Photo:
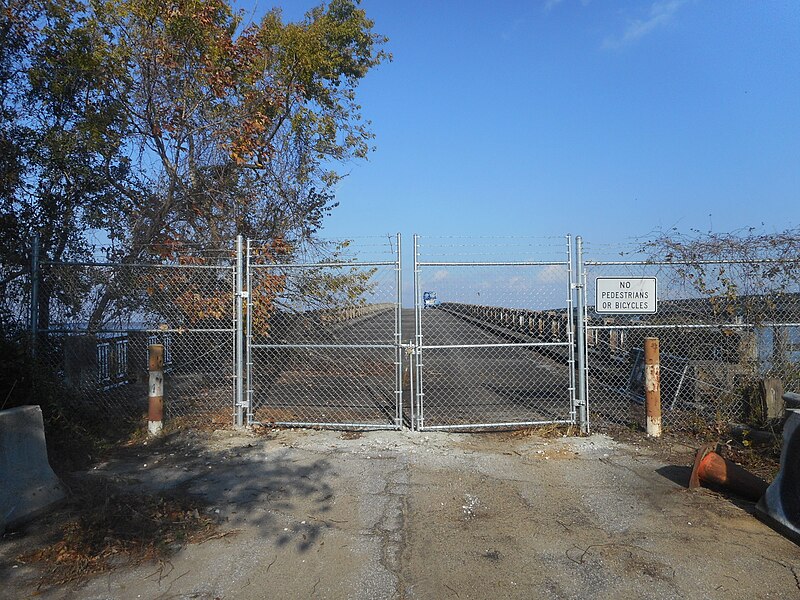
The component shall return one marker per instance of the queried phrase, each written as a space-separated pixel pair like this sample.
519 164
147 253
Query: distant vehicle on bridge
429 300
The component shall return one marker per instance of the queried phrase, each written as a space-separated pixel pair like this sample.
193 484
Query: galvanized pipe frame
241 295
571 330
249 337
397 421
582 366
398 335
418 395
240 333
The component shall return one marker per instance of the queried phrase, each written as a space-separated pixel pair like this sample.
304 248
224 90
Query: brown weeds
107 527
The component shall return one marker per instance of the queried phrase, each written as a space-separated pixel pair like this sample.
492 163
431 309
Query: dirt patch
105 525
553 430
198 421
393 515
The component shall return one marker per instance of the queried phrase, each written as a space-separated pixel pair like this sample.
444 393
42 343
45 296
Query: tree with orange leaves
171 125
237 128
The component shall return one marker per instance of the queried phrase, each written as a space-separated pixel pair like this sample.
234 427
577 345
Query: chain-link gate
322 338
494 342
312 337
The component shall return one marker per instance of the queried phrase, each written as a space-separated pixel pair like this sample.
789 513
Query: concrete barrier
28 485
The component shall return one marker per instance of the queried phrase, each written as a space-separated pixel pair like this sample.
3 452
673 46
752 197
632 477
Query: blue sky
598 118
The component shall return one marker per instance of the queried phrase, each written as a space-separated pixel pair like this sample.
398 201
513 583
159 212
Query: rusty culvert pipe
710 467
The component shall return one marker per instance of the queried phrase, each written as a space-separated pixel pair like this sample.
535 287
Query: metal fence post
570 329
249 338
398 337
34 317
417 394
583 409
239 402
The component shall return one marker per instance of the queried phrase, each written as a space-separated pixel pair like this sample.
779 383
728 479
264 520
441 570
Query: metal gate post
571 333
417 343
248 382
239 400
583 409
398 335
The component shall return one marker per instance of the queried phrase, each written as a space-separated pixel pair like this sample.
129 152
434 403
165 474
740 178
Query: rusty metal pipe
710 467
155 392
652 386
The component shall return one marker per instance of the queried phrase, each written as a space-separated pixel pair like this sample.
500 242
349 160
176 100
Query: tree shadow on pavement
282 494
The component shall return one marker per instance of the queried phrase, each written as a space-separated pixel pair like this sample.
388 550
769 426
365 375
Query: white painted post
155 411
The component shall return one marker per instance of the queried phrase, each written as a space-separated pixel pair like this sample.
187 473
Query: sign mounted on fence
626 295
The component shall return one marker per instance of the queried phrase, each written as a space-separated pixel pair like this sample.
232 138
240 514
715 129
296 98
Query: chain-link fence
493 338
725 327
494 332
323 334
97 319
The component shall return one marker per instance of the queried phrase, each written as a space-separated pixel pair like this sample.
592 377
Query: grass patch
550 430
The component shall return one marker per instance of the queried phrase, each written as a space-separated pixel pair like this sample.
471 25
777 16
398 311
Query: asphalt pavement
404 515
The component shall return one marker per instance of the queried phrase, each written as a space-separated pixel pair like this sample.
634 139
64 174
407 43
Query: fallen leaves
108 527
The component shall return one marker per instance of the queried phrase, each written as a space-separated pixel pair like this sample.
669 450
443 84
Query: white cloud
661 13
440 275
553 274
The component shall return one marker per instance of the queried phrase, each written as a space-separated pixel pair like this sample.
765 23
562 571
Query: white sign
626 295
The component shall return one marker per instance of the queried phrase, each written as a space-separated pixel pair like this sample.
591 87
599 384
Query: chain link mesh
724 327
494 332
100 319
323 334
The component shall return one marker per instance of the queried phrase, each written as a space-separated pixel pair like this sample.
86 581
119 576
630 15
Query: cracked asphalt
387 515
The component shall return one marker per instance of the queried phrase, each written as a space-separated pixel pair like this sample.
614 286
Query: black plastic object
780 505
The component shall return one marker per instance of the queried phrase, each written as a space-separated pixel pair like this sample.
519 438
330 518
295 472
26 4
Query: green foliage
242 125
169 124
